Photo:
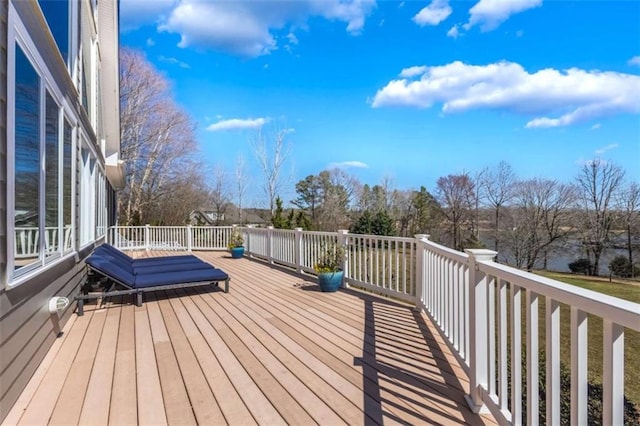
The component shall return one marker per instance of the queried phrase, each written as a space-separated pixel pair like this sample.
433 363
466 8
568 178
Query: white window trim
18 34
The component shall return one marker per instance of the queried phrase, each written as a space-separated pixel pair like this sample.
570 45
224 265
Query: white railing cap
482 255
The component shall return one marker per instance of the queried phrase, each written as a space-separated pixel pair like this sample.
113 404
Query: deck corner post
297 249
270 244
420 273
343 236
478 328
189 238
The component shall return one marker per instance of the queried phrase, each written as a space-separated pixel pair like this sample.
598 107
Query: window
43 134
57 13
88 197
27 161
67 153
52 178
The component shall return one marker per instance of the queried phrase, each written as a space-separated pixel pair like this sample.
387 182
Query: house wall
27 329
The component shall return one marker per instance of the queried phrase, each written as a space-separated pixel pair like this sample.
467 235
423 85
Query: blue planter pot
237 252
330 281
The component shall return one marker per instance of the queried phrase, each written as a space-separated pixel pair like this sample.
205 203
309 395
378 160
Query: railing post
147 241
189 237
478 328
248 242
297 249
420 275
270 244
342 242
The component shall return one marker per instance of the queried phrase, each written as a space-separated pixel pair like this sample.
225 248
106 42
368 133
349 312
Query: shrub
620 267
580 266
330 259
379 223
236 239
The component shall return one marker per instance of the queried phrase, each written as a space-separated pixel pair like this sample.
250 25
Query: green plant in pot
329 268
236 244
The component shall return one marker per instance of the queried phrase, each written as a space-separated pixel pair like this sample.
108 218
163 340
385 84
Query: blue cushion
150 268
179 277
169 267
112 269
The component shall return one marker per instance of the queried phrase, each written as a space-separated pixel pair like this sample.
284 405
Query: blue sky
408 90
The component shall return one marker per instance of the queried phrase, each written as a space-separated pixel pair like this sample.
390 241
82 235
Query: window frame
18 36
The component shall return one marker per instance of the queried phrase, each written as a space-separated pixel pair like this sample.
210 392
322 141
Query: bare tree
241 185
219 194
455 193
158 140
498 189
271 151
598 182
477 181
186 193
629 204
539 220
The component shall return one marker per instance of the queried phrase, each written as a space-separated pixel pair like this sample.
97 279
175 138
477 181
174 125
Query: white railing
27 241
386 265
476 303
185 238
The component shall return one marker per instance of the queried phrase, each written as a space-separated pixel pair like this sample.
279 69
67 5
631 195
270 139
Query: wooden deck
274 350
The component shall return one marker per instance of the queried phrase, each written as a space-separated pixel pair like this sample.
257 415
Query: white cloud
436 12
635 61
348 164
245 28
604 149
596 126
292 38
174 61
412 71
489 14
237 124
572 95
453 32
135 13
150 42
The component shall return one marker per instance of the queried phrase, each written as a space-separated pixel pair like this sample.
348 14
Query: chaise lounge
139 276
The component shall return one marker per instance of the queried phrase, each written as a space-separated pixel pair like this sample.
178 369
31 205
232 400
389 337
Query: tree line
527 221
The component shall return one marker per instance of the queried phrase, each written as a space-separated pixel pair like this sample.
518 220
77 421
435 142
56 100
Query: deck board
69 405
123 409
39 410
95 408
226 396
151 408
272 351
200 396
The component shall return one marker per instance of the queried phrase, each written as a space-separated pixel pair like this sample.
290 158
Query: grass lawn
622 290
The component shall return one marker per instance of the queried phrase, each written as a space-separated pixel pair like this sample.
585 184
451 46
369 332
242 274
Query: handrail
623 312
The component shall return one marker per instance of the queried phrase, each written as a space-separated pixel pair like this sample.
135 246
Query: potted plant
236 244
329 268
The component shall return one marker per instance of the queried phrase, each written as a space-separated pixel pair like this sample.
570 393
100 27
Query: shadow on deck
274 350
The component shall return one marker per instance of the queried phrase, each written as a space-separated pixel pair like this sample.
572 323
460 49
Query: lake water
559 260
